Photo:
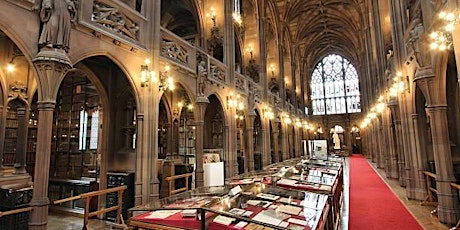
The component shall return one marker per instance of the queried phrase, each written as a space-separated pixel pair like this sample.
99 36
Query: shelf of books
268 199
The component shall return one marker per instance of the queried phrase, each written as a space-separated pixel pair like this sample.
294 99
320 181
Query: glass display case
271 207
253 200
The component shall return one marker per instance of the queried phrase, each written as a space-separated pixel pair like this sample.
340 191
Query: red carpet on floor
372 205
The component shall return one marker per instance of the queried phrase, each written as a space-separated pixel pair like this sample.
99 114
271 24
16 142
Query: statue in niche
57 17
253 71
415 44
336 141
389 64
202 77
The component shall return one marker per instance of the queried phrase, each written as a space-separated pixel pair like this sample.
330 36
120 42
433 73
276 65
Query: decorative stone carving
18 90
217 73
174 51
57 17
110 17
274 86
436 4
415 45
252 70
240 82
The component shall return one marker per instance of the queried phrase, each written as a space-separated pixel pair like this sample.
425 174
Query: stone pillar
448 206
265 150
249 153
419 178
52 66
40 201
380 142
275 136
400 153
139 160
201 105
175 138
284 142
2 138
20 161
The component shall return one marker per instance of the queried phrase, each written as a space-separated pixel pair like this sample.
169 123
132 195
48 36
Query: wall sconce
236 102
250 49
287 119
148 77
354 129
237 18
298 123
212 15
185 103
272 70
268 112
442 40
10 67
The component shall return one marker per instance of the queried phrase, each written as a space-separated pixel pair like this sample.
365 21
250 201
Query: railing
15 211
430 189
456 186
171 182
87 197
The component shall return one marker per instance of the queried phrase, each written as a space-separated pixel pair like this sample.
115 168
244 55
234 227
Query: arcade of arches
132 86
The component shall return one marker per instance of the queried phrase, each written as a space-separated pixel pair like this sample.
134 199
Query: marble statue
336 140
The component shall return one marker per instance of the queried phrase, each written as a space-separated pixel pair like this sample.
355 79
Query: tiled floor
421 213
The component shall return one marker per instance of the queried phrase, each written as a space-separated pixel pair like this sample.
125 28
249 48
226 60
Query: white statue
336 140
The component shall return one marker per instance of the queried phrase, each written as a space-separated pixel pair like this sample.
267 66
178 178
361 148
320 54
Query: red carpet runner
372 205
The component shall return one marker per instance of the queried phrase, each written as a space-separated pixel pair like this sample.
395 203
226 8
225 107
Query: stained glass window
335 87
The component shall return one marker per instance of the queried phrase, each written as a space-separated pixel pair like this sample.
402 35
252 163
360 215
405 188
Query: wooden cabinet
115 179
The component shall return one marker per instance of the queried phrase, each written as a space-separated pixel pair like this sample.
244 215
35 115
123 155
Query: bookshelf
32 137
75 140
11 136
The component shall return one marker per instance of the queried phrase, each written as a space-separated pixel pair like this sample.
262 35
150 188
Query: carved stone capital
425 80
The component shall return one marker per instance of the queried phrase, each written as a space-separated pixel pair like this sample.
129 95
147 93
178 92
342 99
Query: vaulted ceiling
318 27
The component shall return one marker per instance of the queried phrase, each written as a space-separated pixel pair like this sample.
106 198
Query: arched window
335 87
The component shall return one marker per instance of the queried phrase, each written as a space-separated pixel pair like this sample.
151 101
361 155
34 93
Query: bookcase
75 131
32 140
187 140
74 164
11 135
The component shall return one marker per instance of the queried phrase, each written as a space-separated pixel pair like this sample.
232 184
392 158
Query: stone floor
421 213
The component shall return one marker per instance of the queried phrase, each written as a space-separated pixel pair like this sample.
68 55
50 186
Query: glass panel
94 130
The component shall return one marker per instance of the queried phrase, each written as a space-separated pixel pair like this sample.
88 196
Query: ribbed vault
320 27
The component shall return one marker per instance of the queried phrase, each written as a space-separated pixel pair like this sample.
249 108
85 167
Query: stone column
249 153
175 138
20 161
265 150
275 136
284 142
419 178
2 137
52 65
448 211
393 159
201 105
139 160
399 151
